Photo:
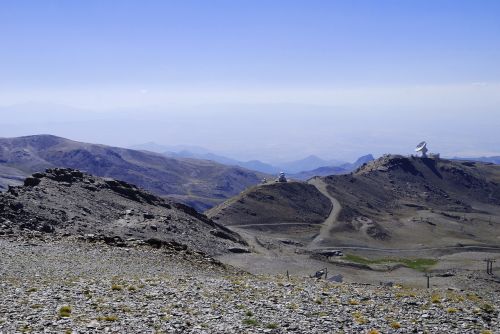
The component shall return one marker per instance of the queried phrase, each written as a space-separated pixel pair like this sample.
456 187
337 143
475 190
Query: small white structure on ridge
281 177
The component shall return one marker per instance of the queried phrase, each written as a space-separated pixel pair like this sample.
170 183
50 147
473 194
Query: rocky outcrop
68 201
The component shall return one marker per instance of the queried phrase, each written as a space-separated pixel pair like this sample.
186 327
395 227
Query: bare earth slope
10 176
404 202
198 183
394 202
275 207
74 258
69 202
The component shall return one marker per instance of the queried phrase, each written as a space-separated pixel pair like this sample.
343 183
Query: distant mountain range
494 160
308 163
253 164
196 152
302 169
198 183
333 170
159 148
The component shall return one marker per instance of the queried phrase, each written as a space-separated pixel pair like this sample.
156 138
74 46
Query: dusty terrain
82 254
285 207
55 284
393 219
394 202
401 202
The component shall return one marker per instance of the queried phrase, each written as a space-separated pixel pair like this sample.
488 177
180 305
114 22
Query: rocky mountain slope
76 257
198 183
69 202
278 207
393 202
67 286
403 201
393 182
10 176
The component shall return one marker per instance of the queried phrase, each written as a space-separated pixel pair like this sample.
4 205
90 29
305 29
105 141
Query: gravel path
330 221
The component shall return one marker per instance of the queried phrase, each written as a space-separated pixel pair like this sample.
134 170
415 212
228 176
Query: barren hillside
69 202
198 183
394 202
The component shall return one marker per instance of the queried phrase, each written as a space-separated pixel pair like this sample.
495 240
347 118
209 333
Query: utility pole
428 275
488 266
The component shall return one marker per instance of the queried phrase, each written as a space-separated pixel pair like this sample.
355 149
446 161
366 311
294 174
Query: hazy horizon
272 81
289 132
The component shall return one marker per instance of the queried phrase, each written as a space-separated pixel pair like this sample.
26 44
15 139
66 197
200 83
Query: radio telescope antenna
422 148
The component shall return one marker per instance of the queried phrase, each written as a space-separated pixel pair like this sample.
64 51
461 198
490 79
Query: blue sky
291 43
393 58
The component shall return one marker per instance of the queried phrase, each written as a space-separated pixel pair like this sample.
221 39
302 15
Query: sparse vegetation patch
250 322
65 311
417 264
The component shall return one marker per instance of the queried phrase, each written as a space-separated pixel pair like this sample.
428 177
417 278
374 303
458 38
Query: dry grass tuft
65 311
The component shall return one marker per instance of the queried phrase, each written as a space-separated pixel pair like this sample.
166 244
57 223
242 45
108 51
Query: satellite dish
422 148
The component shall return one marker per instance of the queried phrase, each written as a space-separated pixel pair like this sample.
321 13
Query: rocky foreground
53 284
70 202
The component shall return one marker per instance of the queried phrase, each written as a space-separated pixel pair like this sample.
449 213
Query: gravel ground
63 285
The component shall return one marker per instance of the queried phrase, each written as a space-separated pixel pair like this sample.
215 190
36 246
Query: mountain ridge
333 170
491 159
394 202
70 202
199 183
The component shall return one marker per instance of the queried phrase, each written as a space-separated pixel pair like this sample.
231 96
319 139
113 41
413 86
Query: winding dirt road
329 223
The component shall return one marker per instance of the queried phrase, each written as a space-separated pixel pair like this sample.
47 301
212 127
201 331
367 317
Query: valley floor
66 285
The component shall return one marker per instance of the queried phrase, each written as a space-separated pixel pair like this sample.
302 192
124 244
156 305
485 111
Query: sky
255 79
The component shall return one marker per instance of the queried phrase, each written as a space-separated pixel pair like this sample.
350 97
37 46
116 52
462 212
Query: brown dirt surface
275 207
